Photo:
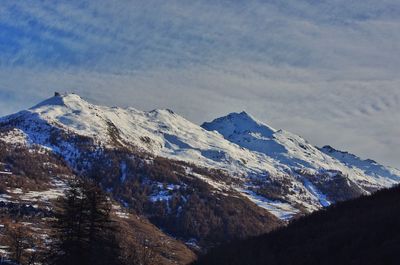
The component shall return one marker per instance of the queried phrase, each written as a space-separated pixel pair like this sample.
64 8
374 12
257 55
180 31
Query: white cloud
327 70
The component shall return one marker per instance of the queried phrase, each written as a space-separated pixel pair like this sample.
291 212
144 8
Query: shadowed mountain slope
360 232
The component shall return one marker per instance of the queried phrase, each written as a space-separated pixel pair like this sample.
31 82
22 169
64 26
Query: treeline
31 169
22 245
82 232
359 232
193 210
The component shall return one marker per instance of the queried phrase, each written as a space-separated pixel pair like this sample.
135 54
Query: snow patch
283 211
321 197
15 137
123 171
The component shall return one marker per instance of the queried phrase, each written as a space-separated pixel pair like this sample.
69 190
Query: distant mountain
369 167
316 169
362 231
231 178
134 156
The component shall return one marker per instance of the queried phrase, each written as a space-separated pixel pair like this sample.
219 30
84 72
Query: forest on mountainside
359 232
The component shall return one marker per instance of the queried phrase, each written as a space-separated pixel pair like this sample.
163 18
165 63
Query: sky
328 70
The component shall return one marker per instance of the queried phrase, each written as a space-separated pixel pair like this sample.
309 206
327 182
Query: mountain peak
244 114
369 166
241 115
162 112
238 123
71 100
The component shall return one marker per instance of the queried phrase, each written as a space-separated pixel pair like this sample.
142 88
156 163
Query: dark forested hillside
360 231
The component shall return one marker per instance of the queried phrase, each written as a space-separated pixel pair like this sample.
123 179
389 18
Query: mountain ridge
279 171
232 178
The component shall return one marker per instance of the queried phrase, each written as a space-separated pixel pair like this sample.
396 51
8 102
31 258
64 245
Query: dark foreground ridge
361 231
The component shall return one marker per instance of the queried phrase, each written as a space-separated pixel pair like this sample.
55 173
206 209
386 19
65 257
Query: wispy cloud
327 70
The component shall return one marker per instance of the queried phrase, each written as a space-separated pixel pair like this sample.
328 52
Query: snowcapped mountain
295 153
160 132
276 170
388 175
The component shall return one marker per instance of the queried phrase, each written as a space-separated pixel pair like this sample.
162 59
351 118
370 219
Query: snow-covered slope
383 174
289 149
281 167
296 153
160 132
